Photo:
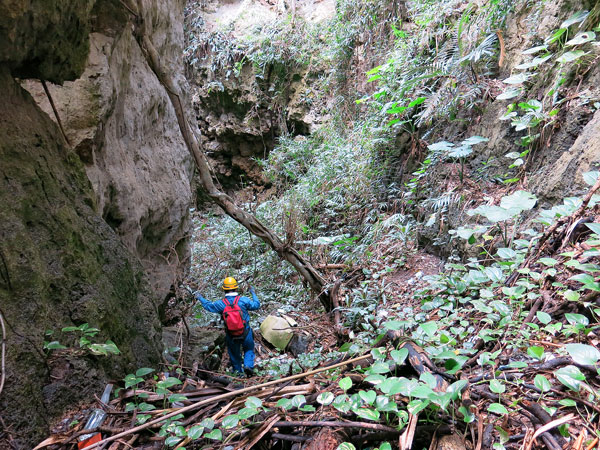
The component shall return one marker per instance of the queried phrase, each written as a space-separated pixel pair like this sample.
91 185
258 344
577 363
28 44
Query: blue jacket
246 304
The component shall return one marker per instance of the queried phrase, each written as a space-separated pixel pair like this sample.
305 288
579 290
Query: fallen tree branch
406 439
224 201
263 430
544 419
534 309
325 423
290 437
222 397
549 426
337 319
534 251
332 266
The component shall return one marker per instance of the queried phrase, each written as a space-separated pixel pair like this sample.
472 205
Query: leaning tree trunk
304 268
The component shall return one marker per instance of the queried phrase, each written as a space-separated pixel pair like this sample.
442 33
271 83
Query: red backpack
233 318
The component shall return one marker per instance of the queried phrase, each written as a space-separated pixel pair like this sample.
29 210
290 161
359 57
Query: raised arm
254 302
215 307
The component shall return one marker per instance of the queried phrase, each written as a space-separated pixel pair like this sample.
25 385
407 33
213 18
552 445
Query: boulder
298 345
205 344
276 331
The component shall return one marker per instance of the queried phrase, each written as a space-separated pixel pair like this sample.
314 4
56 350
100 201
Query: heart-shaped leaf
441 146
177 398
543 317
506 253
369 414
215 435
143 371
399 356
378 368
542 383
519 200
368 396
253 402
208 423
172 440
298 400
578 17
570 376
588 281
169 382
497 408
195 432
497 386
429 328
577 319
509 93
325 398
534 50
536 352
246 413
570 56
583 354
345 383
581 38
473 140
519 78
342 403
284 403
231 421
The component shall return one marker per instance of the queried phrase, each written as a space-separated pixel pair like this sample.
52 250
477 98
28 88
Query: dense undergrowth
398 158
506 328
341 199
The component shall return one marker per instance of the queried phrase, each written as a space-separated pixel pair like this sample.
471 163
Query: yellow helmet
229 283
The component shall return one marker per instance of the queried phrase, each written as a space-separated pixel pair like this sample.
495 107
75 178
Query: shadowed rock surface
92 234
120 122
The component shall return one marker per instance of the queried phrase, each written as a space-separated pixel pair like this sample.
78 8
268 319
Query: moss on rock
60 265
47 39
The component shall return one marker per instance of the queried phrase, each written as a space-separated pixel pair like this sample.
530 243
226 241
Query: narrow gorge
426 172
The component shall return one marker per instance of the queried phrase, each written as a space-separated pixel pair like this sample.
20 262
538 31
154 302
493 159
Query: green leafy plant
84 335
507 213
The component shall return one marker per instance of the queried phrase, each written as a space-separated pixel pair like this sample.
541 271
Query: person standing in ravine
238 334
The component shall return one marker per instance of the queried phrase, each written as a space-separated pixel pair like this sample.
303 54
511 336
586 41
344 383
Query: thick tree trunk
303 267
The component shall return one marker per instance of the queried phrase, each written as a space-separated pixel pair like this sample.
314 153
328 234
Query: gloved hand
252 290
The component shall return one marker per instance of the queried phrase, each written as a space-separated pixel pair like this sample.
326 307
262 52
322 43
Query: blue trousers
235 352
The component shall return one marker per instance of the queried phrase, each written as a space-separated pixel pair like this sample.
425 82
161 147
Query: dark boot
249 372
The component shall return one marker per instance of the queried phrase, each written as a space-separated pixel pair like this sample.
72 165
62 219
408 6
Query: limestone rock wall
120 122
240 118
93 232
566 174
60 265
48 37
242 109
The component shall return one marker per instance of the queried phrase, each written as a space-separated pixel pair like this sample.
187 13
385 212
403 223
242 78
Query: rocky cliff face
92 232
565 149
556 151
119 121
243 106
